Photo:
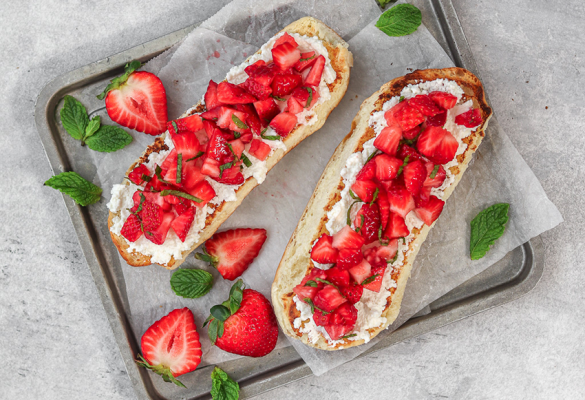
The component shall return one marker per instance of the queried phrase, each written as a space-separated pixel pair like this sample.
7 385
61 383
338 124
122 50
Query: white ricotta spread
371 305
121 200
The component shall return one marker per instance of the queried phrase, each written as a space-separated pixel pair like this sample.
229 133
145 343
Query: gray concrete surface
55 341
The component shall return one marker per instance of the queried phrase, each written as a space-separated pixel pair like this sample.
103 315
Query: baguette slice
296 261
341 61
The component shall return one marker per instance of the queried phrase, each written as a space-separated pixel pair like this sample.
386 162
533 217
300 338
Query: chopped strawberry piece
203 191
423 197
313 275
431 211
401 201
425 105
438 173
294 106
261 73
259 149
132 229
320 318
286 38
257 89
388 139
437 144
267 110
187 144
284 123
364 190
414 174
283 85
469 119
328 298
228 93
338 276
171 199
227 119
233 251
182 206
323 251
231 176
412 133
361 271
252 68
306 60
408 117
192 123
238 147
396 227
210 167
157 199
389 115
211 100
285 55
376 284
353 293
347 238
212 114
438 120
370 223
368 171
341 322
314 77
406 150
347 258
379 255
444 100
158 235
252 119
303 93
138 174
384 207
387 167
182 223
154 185
216 147
305 292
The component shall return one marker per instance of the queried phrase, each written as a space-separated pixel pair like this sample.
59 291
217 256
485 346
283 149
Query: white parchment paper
498 173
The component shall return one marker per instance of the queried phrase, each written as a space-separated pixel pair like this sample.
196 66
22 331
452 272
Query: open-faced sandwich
343 274
196 174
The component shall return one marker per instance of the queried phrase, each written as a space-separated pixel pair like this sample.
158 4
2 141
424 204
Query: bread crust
341 61
296 262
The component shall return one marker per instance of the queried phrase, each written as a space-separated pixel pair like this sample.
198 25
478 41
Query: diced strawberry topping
431 211
412 133
157 199
210 167
406 150
469 119
216 147
314 77
228 117
389 115
438 120
284 123
252 118
231 176
438 175
285 55
445 100
187 144
376 284
182 206
154 184
305 292
323 251
267 110
305 93
138 174
313 275
437 144
425 105
293 105
388 139
259 149
423 197
401 201
338 276
261 73
320 318
257 89
328 298
283 85
384 207
408 117
132 229
361 271
353 293
286 38
379 255
387 167
158 234
414 174
212 114
347 238
211 100
237 147
396 227
307 59
368 171
347 258
342 321
203 191
228 93
182 223
364 190
370 223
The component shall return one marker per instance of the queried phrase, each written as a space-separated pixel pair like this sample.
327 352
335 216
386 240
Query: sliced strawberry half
267 110
400 200
414 174
425 105
387 167
232 252
347 238
132 229
307 96
314 76
364 190
228 93
211 100
171 347
139 175
368 171
396 227
437 144
328 298
376 279
182 223
438 120
435 175
210 167
444 100
285 55
406 150
259 149
388 139
284 123
469 119
361 271
283 85
323 251
306 60
430 212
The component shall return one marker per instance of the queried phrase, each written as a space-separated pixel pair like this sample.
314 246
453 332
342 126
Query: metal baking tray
513 276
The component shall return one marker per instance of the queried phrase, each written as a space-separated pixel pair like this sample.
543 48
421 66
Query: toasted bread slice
296 261
341 61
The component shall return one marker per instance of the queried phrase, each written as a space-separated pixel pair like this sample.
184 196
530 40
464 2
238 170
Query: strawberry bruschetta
196 174
343 274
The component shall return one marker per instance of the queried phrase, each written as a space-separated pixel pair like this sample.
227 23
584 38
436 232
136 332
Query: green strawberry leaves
191 283
400 20
161 370
73 185
74 117
119 81
221 312
223 387
108 139
486 228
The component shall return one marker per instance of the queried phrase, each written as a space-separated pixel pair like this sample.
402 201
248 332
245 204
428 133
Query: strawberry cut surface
431 211
396 227
328 298
348 258
401 201
314 76
437 144
138 173
182 223
469 119
376 284
415 174
284 123
259 149
444 100
425 105
408 117
347 238
283 85
323 251
228 93
389 139
285 55
267 110
211 100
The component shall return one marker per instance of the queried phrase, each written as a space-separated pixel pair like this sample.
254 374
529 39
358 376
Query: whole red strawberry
171 347
244 324
137 100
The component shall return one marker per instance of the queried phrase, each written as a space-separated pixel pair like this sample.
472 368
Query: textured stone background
55 341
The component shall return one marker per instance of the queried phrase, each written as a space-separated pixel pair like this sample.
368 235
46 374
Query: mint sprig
488 226
400 20
191 283
72 184
223 387
74 117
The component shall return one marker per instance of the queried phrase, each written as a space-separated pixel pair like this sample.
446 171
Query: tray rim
45 105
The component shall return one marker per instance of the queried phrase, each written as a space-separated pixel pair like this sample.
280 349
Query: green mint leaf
191 283
400 20
277 98
362 218
178 193
74 117
225 166
374 154
196 157
403 164
237 134
158 172
239 122
434 172
393 259
269 137
72 184
310 302
308 58
401 99
119 81
310 99
370 279
108 139
223 387
145 178
349 210
246 160
375 196
348 336
326 282
92 127
175 127
486 228
354 196
311 284
179 167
